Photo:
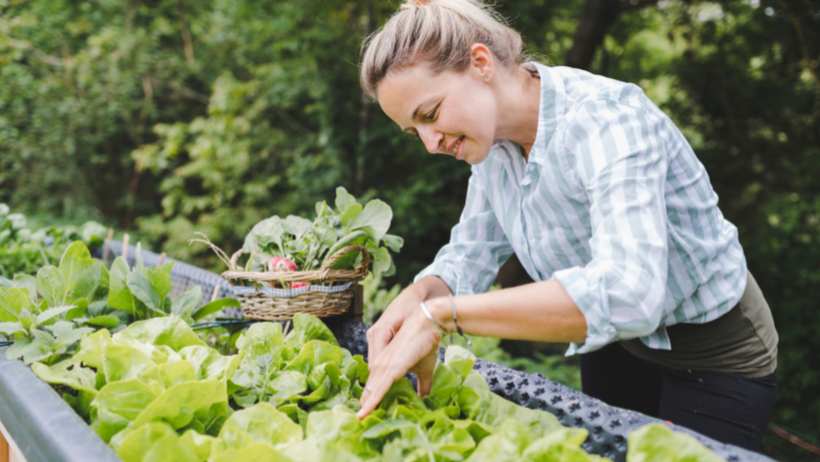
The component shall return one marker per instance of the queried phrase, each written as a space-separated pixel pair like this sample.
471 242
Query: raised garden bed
45 428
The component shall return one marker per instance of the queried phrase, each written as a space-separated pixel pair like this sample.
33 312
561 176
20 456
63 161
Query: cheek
484 129
473 115
482 111
484 125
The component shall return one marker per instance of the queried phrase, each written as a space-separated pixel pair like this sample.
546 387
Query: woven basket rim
295 276
271 292
323 274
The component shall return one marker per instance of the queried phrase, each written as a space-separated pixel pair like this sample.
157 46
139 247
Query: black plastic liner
45 428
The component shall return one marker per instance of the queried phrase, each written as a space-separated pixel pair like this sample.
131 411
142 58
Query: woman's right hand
389 323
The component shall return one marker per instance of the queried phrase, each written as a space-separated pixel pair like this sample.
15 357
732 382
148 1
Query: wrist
426 314
431 286
441 310
417 290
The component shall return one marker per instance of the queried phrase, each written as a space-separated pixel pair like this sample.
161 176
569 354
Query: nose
431 138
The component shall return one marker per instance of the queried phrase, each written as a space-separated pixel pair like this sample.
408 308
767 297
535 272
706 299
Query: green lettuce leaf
125 360
158 442
208 363
170 330
74 281
69 373
201 444
118 403
14 301
261 423
151 286
177 404
92 348
376 217
119 295
658 442
306 328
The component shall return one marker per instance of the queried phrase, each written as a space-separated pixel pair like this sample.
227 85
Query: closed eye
432 115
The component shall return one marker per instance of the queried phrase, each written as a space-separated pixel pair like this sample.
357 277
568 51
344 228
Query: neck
519 98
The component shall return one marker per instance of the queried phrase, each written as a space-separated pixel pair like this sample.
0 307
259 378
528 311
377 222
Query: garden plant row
155 390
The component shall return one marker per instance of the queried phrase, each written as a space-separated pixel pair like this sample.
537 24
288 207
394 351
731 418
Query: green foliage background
165 117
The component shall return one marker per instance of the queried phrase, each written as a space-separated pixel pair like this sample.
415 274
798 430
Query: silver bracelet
427 314
455 318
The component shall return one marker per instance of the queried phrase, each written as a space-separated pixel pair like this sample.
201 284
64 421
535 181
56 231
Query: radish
286 265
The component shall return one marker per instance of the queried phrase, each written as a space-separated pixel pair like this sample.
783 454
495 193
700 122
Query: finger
410 347
376 370
374 393
378 337
387 367
424 374
389 323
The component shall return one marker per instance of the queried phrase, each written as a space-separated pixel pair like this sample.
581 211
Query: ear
482 61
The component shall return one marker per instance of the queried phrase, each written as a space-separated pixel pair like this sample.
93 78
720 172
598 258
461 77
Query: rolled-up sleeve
618 154
478 246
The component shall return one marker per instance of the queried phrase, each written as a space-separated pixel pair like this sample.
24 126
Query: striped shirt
613 204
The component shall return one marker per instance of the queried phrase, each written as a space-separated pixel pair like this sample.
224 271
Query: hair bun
417 3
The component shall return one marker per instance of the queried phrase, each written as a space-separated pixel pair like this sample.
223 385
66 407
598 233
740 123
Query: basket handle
234 261
360 268
203 239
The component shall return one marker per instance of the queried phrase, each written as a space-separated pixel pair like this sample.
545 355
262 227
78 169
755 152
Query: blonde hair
439 32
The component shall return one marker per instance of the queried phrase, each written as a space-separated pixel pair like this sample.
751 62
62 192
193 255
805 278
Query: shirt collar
550 110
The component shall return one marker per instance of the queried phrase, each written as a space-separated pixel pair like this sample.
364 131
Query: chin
474 161
474 158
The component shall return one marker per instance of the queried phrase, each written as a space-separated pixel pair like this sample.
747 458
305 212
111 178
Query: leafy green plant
144 292
43 315
154 391
24 250
302 370
309 244
657 442
155 369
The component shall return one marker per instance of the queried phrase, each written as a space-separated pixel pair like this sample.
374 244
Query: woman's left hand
414 348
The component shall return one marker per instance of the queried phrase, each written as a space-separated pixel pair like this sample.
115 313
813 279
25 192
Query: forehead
402 90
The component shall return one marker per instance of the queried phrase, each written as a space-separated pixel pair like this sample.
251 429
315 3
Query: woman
606 206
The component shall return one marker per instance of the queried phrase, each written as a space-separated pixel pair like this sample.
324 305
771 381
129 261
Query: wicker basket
329 291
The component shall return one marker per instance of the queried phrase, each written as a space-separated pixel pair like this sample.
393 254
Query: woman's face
453 113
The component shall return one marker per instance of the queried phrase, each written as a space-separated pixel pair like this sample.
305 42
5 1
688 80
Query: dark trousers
729 408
